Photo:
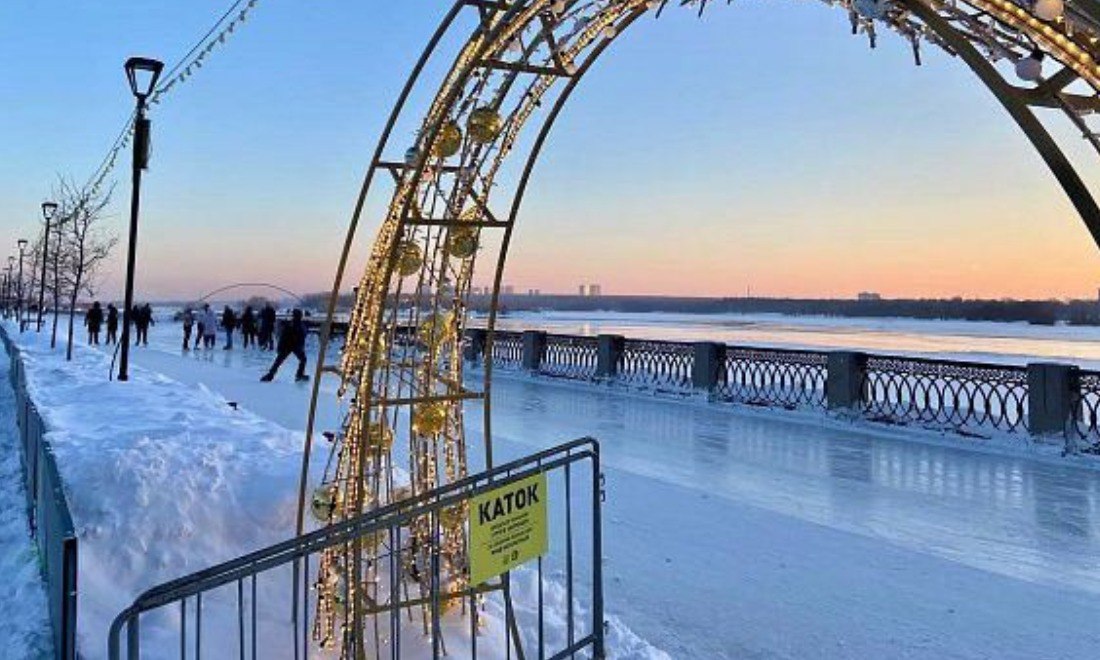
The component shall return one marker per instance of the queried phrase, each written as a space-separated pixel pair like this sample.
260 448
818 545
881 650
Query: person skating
209 322
229 323
292 339
267 327
112 324
188 323
248 326
93 319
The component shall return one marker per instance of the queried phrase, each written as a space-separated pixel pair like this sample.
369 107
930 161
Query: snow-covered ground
727 533
24 622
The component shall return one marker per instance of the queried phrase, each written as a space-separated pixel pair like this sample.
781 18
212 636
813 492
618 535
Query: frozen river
774 535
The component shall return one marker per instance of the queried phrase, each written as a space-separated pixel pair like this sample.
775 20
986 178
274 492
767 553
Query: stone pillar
1051 395
534 347
608 351
707 366
474 350
844 382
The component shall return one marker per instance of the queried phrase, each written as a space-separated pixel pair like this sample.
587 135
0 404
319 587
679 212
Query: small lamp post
9 288
142 73
22 243
48 211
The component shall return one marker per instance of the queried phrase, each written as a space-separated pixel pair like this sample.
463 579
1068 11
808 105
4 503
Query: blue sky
762 146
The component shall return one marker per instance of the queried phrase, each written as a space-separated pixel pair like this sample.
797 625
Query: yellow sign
507 527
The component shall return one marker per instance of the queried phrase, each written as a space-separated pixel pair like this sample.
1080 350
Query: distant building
581 291
532 292
868 295
595 290
508 290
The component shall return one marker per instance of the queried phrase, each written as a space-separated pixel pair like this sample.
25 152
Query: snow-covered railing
550 607
970 398
48 511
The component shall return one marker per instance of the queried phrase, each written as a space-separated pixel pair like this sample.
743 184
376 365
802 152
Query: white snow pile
24 622
164 479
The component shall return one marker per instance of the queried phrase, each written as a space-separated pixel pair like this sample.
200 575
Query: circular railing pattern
773 377
567 356
959 395
659 365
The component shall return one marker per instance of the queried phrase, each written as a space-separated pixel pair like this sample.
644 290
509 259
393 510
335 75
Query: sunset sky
761 147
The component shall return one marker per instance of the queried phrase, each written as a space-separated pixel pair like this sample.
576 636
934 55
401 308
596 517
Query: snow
727 533
24 623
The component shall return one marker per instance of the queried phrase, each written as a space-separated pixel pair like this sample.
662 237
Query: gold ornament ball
323 504
434 330
429 418
484 125
453 517
449 140
409 258
463 243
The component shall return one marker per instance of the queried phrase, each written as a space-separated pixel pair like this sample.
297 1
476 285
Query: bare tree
85 245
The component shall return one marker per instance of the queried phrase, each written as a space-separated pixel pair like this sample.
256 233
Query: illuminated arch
519 64
251 285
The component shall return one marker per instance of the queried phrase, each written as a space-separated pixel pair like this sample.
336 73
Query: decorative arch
401 368
251 285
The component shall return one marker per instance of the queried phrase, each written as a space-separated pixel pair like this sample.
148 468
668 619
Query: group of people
95 318
257 328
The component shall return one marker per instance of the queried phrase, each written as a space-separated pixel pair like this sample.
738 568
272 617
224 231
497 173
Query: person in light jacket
209 326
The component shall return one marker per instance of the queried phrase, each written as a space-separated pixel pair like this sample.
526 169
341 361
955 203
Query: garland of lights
179 73
401 368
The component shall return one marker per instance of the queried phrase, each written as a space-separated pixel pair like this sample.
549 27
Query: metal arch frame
497 25
241 285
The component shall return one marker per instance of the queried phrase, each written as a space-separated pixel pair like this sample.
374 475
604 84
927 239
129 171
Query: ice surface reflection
1014 515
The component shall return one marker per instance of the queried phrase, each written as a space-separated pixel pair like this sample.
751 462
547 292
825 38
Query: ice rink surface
746 534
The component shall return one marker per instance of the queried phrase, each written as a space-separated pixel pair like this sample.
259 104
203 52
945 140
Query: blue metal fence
48 511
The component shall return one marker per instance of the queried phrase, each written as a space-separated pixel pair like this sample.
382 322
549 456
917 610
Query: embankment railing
970 398
261 605
48 511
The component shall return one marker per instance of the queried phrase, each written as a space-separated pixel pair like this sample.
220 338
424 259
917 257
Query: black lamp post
22 243
142 74
9 288
48 211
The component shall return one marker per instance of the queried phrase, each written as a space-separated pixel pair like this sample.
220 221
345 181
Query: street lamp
48 211
22 243
9 290
142 73
56 278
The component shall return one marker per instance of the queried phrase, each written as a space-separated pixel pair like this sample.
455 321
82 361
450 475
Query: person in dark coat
93 319
267 327
188 324
112 324
248 326
143 318
229 322
292 339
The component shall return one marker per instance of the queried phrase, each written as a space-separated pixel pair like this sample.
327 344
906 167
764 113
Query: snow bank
24 621
162 479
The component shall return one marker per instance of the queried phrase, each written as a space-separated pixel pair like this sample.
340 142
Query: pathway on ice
734 534
24 622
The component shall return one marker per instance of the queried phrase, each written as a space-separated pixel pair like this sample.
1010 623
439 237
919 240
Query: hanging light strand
216 36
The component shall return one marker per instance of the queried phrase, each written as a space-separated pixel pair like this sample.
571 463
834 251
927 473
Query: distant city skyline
852 171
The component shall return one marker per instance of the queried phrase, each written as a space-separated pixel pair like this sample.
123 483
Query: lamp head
22 243
143 73
48 210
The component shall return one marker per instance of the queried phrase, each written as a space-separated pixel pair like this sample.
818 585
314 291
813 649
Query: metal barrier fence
48 511
260 605
969 398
